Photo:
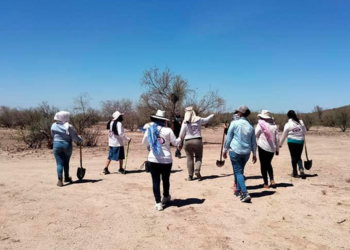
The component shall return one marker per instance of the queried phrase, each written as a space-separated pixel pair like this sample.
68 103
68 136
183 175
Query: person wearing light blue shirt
240 141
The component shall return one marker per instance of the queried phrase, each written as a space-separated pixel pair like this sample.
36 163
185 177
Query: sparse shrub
308 120
342 118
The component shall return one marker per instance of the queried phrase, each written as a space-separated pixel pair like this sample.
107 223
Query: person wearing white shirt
158 138
116 139
191 133
295 131
267 137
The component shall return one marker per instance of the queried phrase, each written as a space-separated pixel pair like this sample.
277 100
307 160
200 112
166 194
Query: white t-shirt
193 130
293 130
271 145
117 140
166 136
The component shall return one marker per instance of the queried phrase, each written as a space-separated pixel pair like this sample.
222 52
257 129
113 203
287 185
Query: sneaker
199 177
302 174
237 193
245 197
106 171
295 175
60 183
68 179
159 206
121 171
190 178
165 200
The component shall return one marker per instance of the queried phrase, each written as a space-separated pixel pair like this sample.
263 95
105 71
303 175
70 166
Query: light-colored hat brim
160 117
264 116
121 114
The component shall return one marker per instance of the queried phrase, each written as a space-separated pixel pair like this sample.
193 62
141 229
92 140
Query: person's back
59 133
243 132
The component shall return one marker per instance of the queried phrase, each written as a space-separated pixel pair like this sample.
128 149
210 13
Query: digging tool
221 162
126 158
81 171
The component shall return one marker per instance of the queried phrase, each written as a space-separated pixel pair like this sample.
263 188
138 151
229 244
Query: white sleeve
257 132
144 139
284 134
207 119
173 139
120 128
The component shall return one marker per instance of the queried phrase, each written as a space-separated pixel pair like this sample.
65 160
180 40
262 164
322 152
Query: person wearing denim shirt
63 134
240 141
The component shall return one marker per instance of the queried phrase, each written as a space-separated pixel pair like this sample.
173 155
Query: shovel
126 158
221 162
81 171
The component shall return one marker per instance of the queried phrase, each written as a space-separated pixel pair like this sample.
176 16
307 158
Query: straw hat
265 114
160 115
116 115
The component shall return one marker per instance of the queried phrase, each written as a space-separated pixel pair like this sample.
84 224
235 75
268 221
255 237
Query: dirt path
117 211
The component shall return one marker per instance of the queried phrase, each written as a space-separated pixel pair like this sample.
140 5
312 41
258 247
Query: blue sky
272 54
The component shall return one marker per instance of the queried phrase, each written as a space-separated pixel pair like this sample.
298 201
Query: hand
277 152
280 146
224 155
129 140
254 159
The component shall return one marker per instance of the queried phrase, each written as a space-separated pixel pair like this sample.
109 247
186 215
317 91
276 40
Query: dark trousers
160 171
296 150
265 158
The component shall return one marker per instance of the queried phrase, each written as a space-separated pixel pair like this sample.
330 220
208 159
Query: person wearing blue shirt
240 141
63 134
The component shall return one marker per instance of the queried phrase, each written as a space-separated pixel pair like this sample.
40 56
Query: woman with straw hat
267 137
191 133
116 138
63 134
295 131
158 138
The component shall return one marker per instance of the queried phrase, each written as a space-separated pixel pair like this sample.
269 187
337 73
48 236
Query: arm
74 135
121 132
277 140
257 132
144 139
172 139
303 127
253 143
207 119
284 134
229 137
182 131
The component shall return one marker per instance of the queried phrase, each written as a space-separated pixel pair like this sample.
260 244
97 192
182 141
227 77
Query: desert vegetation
163 90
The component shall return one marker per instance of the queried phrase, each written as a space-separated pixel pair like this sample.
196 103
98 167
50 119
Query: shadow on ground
210 177
84 181
255 177
186 202
278 185
261 194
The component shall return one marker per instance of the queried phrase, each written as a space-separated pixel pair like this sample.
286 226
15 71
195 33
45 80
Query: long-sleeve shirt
58 132
116 140
294 131
166 136
241 137
268 145
192 130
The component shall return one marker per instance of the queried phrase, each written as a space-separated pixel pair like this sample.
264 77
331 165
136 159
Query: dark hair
160 121
292 115
247 113
120 118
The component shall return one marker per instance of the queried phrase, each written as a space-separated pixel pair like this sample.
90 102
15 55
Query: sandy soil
117 211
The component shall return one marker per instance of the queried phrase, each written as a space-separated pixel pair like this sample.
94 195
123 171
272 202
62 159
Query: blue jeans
238 164
62 151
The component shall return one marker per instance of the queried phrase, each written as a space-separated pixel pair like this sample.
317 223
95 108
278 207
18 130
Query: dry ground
117 211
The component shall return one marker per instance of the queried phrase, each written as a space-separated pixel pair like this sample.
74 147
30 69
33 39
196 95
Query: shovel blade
220 163
81 173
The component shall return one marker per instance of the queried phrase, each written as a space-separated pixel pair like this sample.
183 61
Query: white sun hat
160 115
116 115
265 114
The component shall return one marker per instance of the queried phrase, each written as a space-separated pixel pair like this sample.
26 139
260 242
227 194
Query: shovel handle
222 145
81 156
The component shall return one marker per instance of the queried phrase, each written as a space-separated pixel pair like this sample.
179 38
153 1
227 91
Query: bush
342 118
308 120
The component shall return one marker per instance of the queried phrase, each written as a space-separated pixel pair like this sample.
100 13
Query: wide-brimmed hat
62 116
116 115
243 109
265 114
160 115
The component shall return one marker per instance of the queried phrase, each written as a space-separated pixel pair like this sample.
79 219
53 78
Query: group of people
241 140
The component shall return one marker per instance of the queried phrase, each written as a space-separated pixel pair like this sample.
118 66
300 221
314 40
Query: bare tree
165 91
319 111
342 118
208 103
83 118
